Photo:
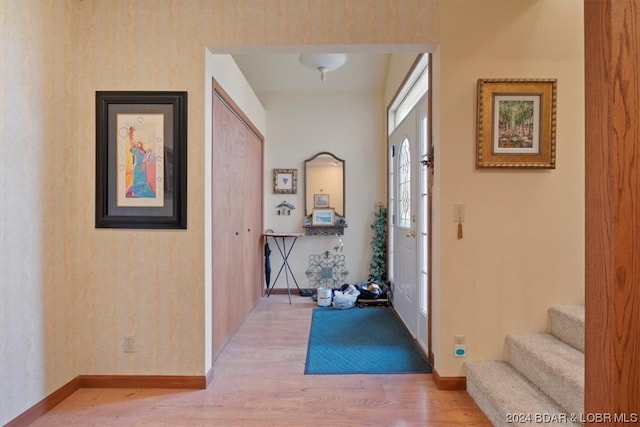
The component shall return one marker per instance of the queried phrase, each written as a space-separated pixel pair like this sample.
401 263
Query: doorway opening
263 88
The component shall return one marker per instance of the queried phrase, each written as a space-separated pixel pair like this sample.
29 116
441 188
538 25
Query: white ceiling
277 72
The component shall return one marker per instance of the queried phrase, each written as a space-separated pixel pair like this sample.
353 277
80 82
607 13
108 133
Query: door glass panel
423 226
404 185
391 218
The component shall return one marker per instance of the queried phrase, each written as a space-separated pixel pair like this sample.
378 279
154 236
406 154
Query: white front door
404 140
410 225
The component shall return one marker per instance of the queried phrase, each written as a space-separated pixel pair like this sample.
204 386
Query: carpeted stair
542 381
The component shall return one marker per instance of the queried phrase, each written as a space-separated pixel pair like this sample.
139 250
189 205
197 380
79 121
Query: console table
285 252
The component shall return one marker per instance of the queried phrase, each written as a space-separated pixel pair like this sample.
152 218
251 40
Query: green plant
378 266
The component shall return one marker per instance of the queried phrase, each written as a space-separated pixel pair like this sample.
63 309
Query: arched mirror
324 190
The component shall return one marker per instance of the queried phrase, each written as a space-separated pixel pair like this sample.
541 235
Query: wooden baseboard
449 383
283 291
109 381
45 405
143 381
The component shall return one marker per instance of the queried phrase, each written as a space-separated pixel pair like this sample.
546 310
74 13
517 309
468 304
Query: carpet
368 340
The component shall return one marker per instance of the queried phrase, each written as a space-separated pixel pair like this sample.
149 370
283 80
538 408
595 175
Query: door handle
410 233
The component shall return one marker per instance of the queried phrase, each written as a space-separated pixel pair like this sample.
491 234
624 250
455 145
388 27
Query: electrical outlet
130 344
458 213
459 339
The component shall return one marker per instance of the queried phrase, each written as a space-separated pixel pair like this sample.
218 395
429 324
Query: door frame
430 184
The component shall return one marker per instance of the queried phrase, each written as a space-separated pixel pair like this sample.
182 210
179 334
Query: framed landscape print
323 216
141 159
516 123
320 200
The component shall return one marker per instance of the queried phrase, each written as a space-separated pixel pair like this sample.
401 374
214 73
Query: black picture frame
158 120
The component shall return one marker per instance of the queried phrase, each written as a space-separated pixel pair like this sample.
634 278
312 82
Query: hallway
259 381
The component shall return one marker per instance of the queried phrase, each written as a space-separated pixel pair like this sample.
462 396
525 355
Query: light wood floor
259 381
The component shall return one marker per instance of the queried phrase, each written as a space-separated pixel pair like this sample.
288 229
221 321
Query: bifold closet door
236 218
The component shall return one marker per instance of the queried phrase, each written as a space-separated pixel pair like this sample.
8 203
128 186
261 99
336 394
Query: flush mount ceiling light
323 62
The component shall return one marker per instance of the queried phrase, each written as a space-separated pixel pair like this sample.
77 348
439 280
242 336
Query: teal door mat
370 340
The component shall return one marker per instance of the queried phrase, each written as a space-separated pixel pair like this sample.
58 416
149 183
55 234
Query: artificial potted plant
378 265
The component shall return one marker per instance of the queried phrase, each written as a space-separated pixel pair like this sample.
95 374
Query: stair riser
508 399
496 418
543 375
568 325
566 392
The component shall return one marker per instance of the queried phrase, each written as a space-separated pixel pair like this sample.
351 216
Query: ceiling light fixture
323 62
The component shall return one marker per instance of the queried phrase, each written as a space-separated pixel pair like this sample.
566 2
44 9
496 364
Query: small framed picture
320 200
323 216
285 181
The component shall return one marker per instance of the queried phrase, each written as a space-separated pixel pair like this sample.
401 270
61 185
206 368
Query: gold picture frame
285 181
516 123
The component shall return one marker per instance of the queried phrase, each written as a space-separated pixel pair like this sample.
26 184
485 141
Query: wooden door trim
235 109
429 349
612 194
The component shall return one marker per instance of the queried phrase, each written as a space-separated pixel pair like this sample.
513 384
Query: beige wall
350 126
327 180
71 292
39 171
523 245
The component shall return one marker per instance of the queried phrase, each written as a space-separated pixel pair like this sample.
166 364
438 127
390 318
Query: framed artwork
141 159
320 200
285 181
516 123
323 216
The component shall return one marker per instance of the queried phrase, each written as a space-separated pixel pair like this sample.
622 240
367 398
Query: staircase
542 381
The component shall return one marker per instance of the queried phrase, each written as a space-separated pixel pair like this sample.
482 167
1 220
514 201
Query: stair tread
574 311
508 392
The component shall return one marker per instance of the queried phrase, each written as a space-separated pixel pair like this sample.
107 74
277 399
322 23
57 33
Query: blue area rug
368 340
